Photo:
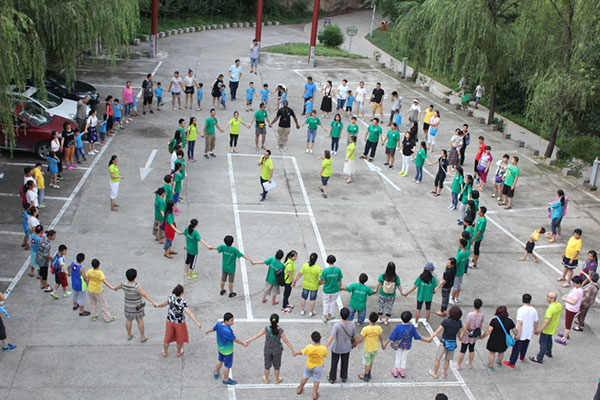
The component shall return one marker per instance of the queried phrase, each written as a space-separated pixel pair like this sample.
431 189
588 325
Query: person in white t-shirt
360 96
342 94
479 92
190 86
396 106
527 323
175 88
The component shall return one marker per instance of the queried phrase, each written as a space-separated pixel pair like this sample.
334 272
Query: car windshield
57 78
33 113
51 100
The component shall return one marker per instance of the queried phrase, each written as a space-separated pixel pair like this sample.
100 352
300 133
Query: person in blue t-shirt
264 94
79 281
308 106
401 339
398 118
117 111
52 161
224 98
199 96
79 151
225 341
158 93
250 96
309 92
349 101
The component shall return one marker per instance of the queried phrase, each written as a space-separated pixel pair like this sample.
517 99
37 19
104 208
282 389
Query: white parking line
549 246
261 386
6 279
240 240
12 233
273 212
60 214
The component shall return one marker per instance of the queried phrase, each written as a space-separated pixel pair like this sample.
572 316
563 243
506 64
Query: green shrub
500 123
331 36
586 148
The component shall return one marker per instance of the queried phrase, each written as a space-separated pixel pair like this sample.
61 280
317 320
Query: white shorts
431 139
114 190
361 105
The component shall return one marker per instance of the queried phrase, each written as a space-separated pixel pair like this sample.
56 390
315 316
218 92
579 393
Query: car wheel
42 149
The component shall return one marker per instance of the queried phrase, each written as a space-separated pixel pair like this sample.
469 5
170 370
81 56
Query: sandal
316 396
299 390
180 354
560 279
265 380
278 381
164 354
434 375
578 329
324 195
507 207
144 339
566 284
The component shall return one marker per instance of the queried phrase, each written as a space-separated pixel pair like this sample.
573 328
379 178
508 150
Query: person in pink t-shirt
128 101
572 306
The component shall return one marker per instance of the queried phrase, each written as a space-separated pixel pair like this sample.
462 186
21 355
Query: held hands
198 325
155 304
537 331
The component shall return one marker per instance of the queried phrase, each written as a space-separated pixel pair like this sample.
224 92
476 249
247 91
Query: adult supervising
266 172
235 74
284 115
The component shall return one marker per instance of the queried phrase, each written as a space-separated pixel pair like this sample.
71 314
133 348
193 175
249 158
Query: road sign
327 22
351 30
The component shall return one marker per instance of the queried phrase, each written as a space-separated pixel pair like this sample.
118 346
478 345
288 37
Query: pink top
475 320
127 95
575 294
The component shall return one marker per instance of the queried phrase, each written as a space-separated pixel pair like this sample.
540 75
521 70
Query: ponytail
312 259
274 319
291 254
193 224
112 160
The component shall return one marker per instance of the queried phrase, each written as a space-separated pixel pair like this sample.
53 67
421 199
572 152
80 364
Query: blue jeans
340 104
190 149
168 243
361 314
419 174
335 143
555 225
79 152
158 102
545 346
311 134
127 110
454 199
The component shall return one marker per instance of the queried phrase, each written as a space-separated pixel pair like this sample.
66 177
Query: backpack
280 277
55 264
389 287
22 195
172 145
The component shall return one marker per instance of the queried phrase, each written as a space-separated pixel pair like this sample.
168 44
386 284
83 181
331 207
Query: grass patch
166 23
301 49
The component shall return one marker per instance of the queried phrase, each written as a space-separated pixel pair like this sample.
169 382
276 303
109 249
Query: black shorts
439 180
476 247
189 90
190 260
349 108
464 346
566 262
506 190
44 272
420 305
529 247
148 100
425 126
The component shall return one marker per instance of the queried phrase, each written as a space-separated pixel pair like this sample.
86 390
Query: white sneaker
456 301
451 301
307 150
302 312
310 151
91 153
451 207
95 151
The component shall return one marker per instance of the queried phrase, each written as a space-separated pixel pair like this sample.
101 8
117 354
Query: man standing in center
309 92
377 100
342 95
372 137
551 320
527 323
235 74
148 94
260 116
266 172
82 114
209 133
284 115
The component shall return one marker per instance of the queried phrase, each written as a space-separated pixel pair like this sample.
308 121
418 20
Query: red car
33 127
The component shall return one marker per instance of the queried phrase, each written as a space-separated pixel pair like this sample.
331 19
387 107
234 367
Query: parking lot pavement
380 217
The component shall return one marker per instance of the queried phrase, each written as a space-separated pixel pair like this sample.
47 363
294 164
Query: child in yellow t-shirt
370 335
530 245
316 354
38 175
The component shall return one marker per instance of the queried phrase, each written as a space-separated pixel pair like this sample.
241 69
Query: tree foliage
538 59
56 33
331 36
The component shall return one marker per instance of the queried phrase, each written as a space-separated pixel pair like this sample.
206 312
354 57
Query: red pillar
313 33
259 16
154 33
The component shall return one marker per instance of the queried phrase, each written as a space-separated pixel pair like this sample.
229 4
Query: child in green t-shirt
313 122
426 284
359 292
331 279
230 256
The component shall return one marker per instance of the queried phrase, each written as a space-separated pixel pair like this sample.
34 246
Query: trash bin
383 25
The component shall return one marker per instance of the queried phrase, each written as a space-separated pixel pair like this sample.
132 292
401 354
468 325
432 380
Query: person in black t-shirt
446 285
452 329
284 115
377 100
148 94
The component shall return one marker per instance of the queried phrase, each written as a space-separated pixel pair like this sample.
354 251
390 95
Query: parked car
33 127
52 104
57 84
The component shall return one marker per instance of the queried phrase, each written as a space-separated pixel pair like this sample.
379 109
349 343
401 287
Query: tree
56 33
562 90
457 37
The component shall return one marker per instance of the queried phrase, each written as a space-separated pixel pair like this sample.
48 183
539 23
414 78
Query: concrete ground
380 217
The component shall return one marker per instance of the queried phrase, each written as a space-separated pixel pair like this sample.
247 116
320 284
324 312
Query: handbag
280 276
475 333
480 168
510 341
449 344
140 306
498 178
275 338
347 334
397 344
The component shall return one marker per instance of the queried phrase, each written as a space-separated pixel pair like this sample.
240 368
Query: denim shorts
314 373
324 180
306 292
311 134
